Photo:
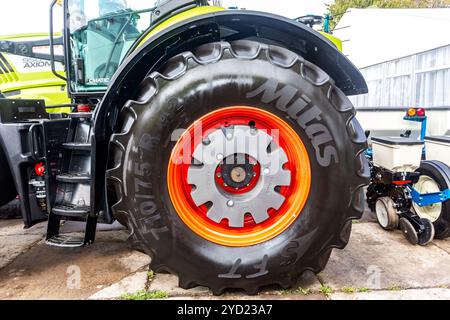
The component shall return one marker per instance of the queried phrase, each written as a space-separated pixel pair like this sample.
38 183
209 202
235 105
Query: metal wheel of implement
386 213
432 212
408 231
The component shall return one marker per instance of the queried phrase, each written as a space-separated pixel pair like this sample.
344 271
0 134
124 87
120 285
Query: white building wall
419 80
404 55
376 35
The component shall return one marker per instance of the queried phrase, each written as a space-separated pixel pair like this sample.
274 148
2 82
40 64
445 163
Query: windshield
101 33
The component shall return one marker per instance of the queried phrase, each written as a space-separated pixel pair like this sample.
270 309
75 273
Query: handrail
52 49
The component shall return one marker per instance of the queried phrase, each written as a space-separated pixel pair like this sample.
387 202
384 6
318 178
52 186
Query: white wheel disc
382 213
431 212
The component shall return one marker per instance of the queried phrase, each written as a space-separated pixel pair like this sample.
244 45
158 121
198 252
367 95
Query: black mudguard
229 25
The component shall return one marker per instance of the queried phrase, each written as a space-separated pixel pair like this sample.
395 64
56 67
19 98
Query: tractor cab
100 33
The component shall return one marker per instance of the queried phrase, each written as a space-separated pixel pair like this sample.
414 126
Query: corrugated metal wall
421 80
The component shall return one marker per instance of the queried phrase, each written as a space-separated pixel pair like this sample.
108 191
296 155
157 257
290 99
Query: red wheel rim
296 194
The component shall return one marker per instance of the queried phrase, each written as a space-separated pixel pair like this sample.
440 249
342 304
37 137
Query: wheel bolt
266 170
230 203
229 136
219 156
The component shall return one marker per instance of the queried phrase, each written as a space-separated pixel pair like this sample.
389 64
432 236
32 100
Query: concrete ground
375 265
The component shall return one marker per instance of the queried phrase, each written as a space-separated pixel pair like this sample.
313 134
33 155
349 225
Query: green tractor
28 77
222 139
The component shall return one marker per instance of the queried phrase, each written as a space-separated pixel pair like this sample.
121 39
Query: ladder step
78 115
77 146
65 241
71 210
75 177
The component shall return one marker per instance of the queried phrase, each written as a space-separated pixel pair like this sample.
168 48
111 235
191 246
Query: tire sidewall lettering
287 97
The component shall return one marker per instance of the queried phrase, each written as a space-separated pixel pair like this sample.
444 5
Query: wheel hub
238 155
238 173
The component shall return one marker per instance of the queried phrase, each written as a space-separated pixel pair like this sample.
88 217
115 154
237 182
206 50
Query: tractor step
72 185
80 115
71 210
75 177
77 146
65 241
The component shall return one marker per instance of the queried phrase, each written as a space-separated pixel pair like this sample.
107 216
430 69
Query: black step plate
75 177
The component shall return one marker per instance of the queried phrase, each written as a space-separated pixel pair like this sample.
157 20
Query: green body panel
29 78
336 41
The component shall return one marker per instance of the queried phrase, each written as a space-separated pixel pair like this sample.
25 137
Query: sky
27 16
24 16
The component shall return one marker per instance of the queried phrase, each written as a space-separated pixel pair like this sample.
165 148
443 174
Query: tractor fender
226 25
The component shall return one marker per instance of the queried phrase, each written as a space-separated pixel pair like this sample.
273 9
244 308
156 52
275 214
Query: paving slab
378 259
16 227
13 246
55 273
131 284
169 283
308 283
258 297
443 244
411 294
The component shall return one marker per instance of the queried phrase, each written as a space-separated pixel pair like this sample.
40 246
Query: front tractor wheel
238 166
243 180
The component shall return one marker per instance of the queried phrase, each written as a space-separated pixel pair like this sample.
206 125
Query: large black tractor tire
8 190
243 73
439 173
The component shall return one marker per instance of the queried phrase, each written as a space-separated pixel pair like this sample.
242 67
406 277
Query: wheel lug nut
230 203
206 141
229 136
266 171
219 156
